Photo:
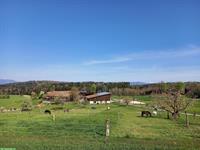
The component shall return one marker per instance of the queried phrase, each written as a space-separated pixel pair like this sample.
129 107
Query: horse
47 112
66 110
155 113
146 113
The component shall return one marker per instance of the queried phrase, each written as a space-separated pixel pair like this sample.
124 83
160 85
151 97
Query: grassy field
84 127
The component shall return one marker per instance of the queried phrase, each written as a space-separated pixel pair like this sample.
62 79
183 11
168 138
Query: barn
99 98
62 95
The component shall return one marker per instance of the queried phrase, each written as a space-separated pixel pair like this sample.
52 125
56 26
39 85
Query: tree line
191 89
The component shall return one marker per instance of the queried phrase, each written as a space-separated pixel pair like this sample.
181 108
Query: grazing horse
146 113
66 110
155 113
47 112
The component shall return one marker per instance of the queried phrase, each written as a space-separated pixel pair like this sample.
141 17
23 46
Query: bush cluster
4 96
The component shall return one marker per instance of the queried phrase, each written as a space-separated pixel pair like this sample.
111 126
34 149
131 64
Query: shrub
57 108
4 96
127 136
93 107
26 105
58 100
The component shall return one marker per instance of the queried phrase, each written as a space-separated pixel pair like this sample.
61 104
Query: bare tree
174 102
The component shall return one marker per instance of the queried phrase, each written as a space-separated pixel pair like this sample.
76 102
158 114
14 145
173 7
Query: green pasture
83 127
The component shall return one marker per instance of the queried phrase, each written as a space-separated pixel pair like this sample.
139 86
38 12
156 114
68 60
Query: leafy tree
93 88
163 87
33 95
180 86
41 94
194 92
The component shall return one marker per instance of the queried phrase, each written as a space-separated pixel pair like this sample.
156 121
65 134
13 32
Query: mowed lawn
84 127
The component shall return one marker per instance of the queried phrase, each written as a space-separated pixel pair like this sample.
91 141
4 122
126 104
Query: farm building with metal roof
99 98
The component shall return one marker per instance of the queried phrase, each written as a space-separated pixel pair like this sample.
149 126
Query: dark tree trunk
175 115
167 115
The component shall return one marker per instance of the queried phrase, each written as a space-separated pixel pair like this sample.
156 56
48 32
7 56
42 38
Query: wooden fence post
107 128
186 120
194 115
54 117
118 116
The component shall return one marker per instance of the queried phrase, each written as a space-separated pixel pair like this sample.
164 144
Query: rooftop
102 93
98 94
58 94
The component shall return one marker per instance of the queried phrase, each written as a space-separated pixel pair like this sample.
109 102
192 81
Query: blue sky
104 40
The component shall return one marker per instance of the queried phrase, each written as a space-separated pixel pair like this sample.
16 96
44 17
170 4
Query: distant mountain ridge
137 83
6 81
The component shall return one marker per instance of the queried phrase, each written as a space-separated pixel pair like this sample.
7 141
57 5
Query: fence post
186 120
194 115
167 115
117 116
54 117
94 131
107 126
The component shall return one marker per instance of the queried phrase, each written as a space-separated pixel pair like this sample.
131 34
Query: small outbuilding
99 98
134 102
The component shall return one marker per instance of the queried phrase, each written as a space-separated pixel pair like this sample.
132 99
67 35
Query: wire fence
89 126
86 124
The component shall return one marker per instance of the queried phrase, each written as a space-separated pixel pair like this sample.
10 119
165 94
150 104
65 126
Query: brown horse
47 112
146 113
66 110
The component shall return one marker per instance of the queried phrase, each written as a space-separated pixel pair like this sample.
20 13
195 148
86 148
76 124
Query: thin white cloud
105 73
114 60
148 55
118 70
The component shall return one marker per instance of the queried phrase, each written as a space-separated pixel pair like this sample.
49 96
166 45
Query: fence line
69 128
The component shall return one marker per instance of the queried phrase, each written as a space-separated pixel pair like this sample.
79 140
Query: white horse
155 113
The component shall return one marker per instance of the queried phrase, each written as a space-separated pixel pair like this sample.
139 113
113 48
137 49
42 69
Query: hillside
6 81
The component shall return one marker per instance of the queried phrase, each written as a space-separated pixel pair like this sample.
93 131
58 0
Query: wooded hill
191 89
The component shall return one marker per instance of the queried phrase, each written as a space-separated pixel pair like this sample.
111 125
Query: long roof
58 94
103 93
97 95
